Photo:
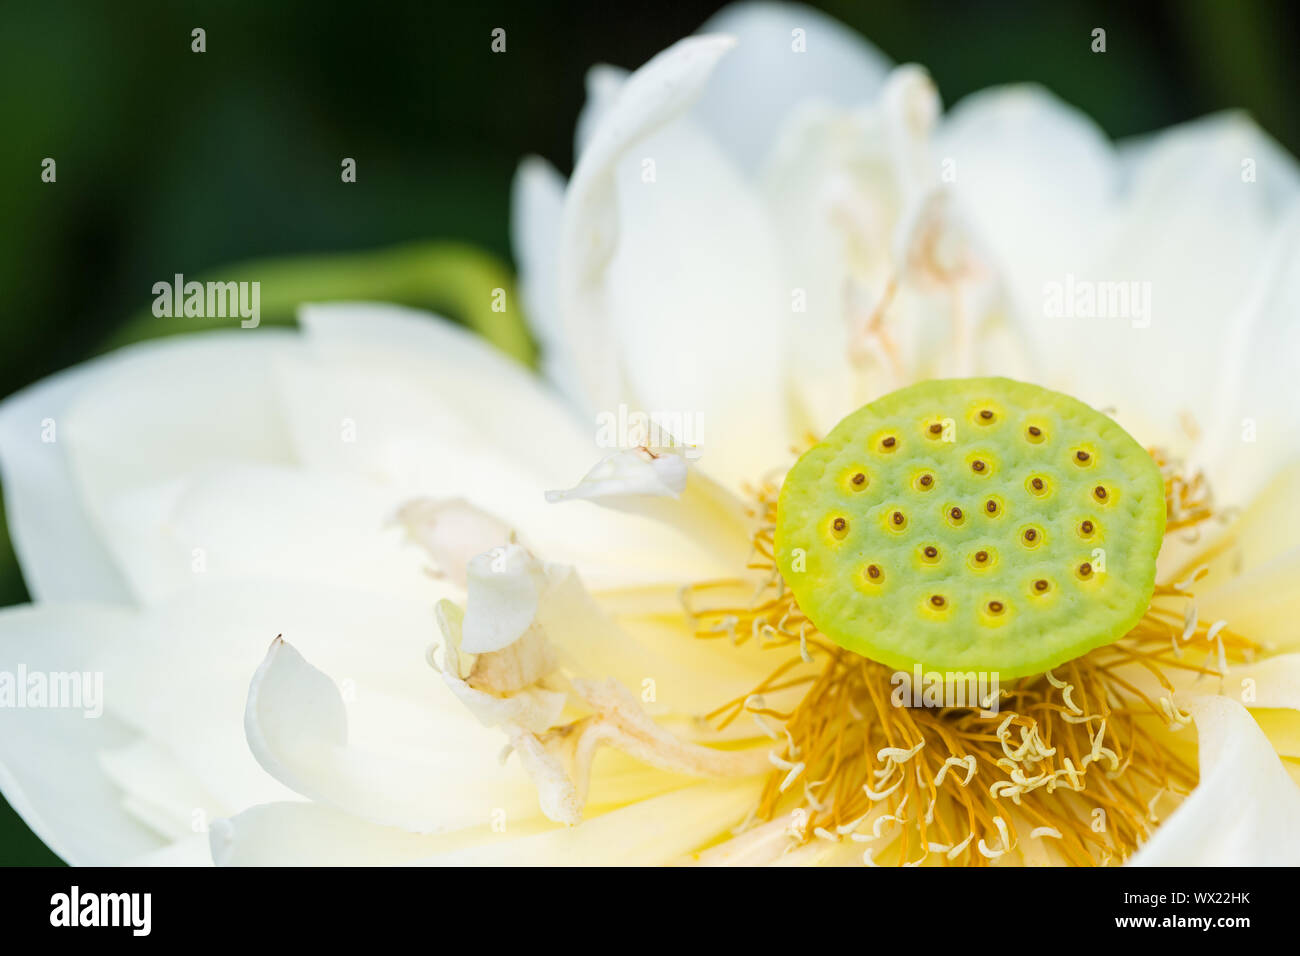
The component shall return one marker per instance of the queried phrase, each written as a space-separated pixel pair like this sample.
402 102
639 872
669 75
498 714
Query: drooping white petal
662 486
629 474
787 55
1245 811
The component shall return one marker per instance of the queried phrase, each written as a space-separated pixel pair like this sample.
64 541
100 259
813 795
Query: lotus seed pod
972 524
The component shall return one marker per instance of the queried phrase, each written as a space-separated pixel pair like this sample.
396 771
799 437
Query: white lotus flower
761 237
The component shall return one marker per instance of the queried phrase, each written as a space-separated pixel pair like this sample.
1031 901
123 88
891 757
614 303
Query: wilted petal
452 532
663 487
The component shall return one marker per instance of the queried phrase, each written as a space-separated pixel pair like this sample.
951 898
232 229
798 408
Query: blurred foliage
170 161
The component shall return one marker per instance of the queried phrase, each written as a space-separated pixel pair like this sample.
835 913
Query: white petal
452 532
1274 682
180 675
630 473
535 709
152 417
271 523
664 488
49 758
1202 238
312 834
836 185
114 433
436 412
604 83
62 555
1251 424
699 302
536 214
655 831
504 589
651 97
1038 178
297 728
1262 602
755 89
1246 809
157 789
191 851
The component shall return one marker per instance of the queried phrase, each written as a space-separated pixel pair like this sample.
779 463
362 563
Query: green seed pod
972 524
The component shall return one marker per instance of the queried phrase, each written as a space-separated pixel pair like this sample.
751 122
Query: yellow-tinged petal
648 833
1246 808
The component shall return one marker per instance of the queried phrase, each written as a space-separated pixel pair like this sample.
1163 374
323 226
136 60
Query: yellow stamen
1079 756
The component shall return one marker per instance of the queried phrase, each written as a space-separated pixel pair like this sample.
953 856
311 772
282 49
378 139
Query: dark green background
169 161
